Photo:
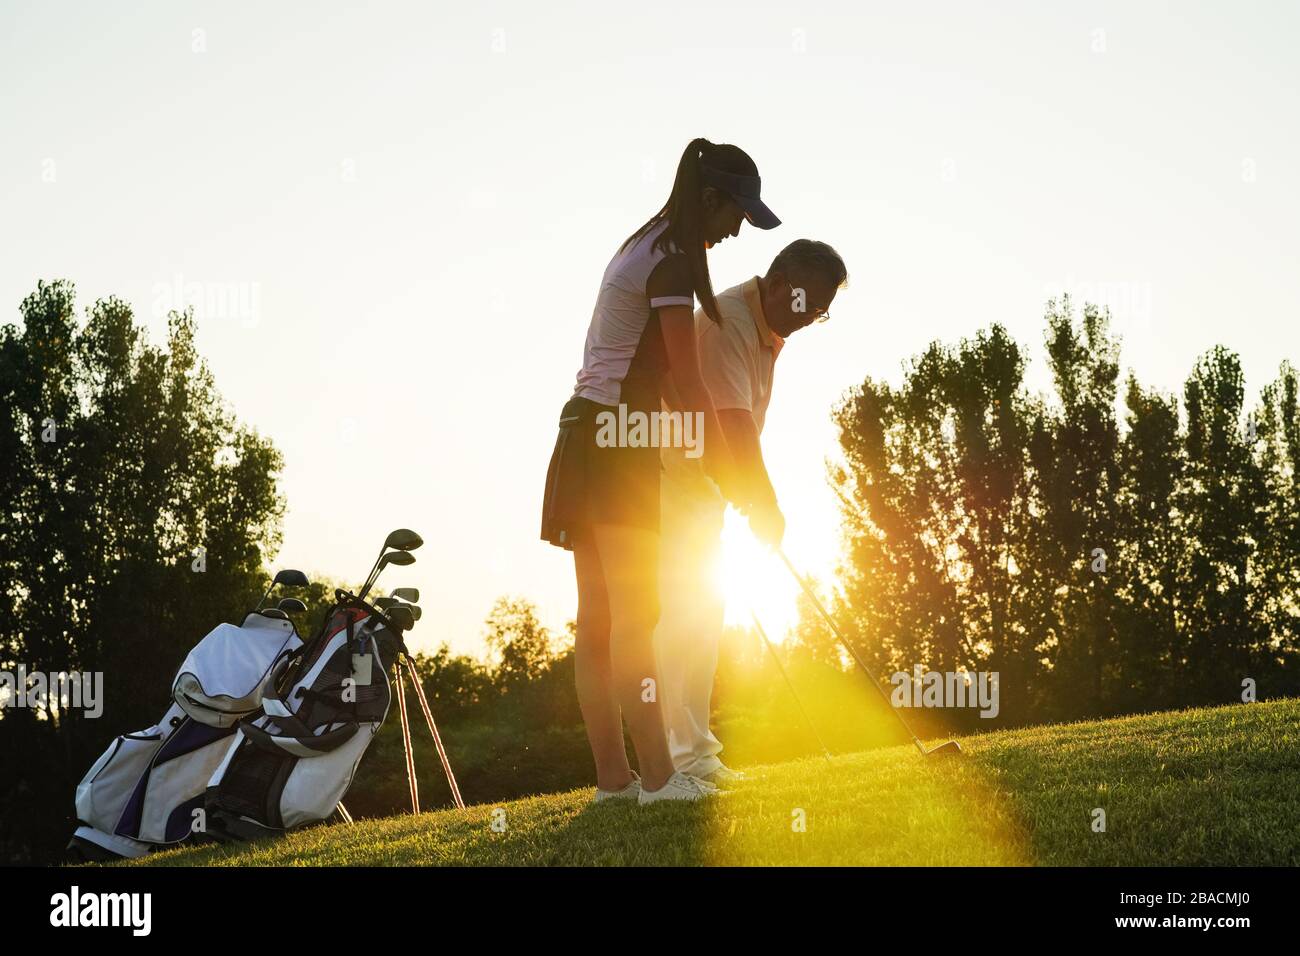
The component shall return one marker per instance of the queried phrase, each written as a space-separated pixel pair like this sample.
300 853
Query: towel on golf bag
292 765
226 674
144 789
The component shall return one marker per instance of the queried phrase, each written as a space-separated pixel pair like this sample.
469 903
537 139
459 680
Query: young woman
602 497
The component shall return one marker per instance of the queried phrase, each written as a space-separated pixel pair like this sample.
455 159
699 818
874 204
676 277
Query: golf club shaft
857 515
373 579
790 684
826 616
374 568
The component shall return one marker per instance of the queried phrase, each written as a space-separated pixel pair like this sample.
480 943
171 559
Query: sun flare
753 581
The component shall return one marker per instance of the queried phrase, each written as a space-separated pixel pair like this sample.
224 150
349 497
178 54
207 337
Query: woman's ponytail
688 221
684 212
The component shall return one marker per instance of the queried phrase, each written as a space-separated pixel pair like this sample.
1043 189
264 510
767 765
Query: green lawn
1212 786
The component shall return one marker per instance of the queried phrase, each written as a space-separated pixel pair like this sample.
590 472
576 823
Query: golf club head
276 613
291 606
950 749
400 617
403 539
402 597
289 578
400 558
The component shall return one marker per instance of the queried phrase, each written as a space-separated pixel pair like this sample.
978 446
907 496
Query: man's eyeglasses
818 314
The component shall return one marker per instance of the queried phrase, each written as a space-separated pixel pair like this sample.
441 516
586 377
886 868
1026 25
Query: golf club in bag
145 790
949 749
291 765
196 771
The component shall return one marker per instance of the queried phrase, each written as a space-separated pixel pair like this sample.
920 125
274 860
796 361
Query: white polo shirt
737 361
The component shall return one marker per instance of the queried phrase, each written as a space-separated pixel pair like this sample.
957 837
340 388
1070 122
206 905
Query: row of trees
1100 564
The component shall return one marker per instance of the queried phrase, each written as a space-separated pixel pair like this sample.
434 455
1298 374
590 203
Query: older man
737 358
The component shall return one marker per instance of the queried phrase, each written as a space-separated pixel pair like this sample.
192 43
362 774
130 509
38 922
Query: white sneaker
631 792
723 778
680 786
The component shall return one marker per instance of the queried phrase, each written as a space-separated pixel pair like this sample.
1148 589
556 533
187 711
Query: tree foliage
1100 565
138 513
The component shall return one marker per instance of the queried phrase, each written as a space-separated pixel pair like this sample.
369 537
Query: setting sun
753 581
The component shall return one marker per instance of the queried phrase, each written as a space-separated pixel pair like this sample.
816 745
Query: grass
1214 786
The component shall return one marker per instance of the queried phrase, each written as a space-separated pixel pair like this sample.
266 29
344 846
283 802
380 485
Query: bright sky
413 204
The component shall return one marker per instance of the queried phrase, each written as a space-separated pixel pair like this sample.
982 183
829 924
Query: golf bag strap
289 724
353 648
300 745
274 707
330 697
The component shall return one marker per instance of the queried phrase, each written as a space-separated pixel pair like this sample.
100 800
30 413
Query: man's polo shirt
737 360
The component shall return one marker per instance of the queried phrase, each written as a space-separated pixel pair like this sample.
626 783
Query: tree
1097 568
523 647
1076 478
1150 544
1223 504
138 514
935 490
1276 568
454 682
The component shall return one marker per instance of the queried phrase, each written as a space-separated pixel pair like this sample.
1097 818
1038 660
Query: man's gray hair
808 256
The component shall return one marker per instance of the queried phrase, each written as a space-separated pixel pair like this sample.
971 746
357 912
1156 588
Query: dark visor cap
744 190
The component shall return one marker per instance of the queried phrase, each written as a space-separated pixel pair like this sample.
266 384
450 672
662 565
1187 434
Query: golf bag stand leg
433 729
406 742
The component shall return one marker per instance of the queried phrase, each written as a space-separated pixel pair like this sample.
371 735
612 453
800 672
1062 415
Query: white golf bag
147 789
292 764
